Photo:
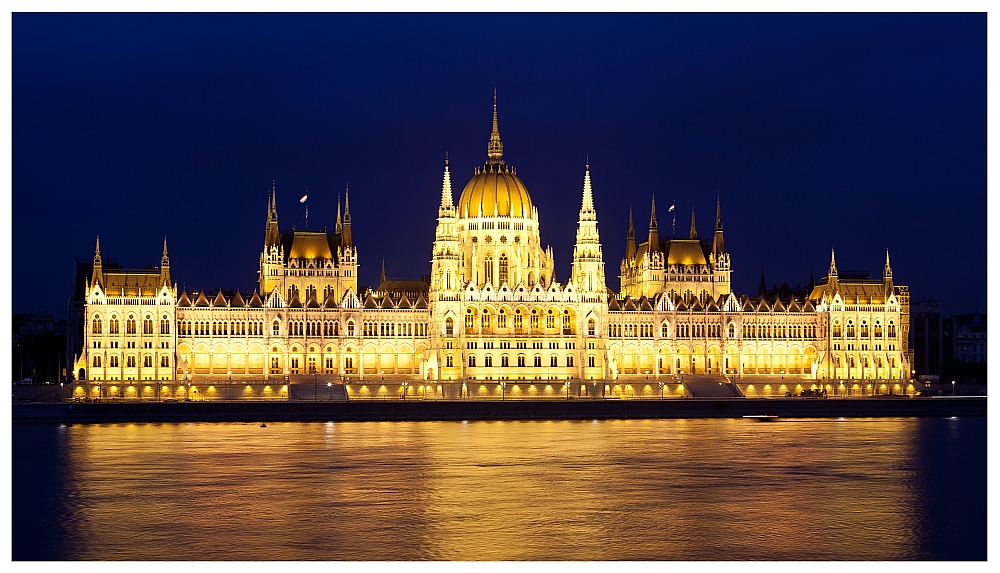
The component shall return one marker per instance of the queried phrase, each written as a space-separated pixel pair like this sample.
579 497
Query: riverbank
275 411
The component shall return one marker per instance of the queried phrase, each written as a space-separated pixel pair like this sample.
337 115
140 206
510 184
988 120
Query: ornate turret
887 275
588 261
271 231
340 225
630 239
446 204
719 244
653 244
165 266
694 230
495 147
97 276
347 239
832 281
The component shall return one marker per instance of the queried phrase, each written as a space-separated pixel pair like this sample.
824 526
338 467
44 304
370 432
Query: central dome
495 190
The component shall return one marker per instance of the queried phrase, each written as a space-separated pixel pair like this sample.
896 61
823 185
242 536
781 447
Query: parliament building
491 319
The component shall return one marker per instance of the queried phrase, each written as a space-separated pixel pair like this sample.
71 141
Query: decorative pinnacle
588 193
694 230
887 272
164 248
347 204
652 214
97 250
446 185
495 148
718 213
833 263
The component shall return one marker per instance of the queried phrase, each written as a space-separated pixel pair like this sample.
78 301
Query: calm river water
559 490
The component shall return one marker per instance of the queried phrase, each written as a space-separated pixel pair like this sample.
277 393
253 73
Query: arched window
836 329
488 269
275 328
472 361
164 325
449 326
449 361
538 361
147 361
336 328
664 330
292 291
97 362
503 268
470 319
501 319
878 329
113 362
850 329
569 361
550 319
520 360
567 325
130 325
518 319
147 325
113 325
486 318
553 361
892 329
96 325
350 328
864 329
534 318
732 330
165 361
130 361
504 361
310 292
592 327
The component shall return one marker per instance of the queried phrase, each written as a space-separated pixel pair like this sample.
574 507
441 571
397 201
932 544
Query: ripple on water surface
550 490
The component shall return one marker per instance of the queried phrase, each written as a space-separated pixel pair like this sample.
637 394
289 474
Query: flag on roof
671 208
304 197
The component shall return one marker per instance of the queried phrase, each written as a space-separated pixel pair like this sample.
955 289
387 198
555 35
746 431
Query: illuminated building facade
492 312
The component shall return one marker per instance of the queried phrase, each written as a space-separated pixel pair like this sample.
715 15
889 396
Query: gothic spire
588 193
97 276
833 263
383 272
97 251
653 244
340 225
165 266
887 271
346 237
446 185
719 244
718 213
694 230
165 260
630 240
495 148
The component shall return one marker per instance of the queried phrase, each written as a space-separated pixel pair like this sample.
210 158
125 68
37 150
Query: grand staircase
710 386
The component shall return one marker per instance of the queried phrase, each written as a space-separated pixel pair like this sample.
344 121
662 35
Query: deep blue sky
859 132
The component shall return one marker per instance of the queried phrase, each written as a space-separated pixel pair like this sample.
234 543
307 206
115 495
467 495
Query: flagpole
673 225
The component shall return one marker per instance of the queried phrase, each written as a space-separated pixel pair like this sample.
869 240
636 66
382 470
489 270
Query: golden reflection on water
636 489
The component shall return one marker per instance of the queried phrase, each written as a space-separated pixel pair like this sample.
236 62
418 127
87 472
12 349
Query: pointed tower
97 278
832 280
444 295
694 230
588 260
340 225
271 231
887 276
495 147
719 244
165 266
630 239
382 280
446 188
653 244
347 239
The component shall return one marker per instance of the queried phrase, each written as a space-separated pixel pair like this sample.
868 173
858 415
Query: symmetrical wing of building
492 312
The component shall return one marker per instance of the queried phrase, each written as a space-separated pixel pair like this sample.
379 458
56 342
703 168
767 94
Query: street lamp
503 392
405 384
952 387
567 389
661 390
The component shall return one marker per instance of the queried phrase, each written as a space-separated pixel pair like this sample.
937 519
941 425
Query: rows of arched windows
131 325
376 328
850 331
131 361
521 361
767 330
217 327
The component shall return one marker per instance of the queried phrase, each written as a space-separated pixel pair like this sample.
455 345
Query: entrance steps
710 386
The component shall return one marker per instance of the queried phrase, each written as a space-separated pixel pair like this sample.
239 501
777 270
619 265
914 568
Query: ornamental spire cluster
495 147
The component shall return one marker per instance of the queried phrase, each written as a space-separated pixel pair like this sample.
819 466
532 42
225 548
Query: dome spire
588 193
446 185
495 148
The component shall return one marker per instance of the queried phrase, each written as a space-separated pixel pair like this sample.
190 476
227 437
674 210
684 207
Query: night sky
859 132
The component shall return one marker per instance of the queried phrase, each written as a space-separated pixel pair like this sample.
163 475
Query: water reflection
639 489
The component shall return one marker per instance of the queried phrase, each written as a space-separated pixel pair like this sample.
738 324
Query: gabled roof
312 302
696 305
629 303
330 302
370 302
295 302
794 306
404 302
184 300
748 305
681 307
255 301
711 306
808 307
644 304
778 306
201 300
613 303
237 300
421 302
387 302
220 300
763 306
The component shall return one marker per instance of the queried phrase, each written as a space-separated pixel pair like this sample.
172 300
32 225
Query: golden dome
495 187
495 190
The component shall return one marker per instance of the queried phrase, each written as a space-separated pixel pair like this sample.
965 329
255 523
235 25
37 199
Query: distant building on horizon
492 313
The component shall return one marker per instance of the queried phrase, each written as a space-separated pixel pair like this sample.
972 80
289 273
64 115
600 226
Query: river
719 489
